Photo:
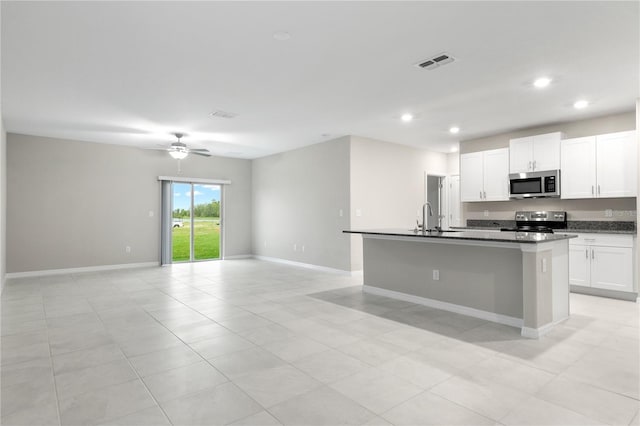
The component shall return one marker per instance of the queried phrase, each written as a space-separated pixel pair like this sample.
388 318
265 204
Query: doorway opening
195 222
443 193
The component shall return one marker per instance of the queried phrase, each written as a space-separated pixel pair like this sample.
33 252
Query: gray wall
387 186
298 195
468 274
573 129
297 199
624 208
77 204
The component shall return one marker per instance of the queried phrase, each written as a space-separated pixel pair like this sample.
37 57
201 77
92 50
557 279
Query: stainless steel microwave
534 184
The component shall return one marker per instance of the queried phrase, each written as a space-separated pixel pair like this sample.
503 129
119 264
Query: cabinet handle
529 166
593 256
586 253
481 195
598 189
592 190
485 195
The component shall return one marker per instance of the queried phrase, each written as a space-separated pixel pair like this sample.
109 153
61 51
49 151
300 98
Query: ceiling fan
179 150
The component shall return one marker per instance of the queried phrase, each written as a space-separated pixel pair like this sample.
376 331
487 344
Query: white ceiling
132 73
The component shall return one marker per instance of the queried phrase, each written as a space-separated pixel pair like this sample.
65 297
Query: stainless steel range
540 221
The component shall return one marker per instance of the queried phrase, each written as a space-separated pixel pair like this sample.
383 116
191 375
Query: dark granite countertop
476 235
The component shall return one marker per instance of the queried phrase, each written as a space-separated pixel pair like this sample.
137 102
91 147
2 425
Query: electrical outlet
608 213
436 275
151 213
303 249
341 212
127 249
486 213
358 212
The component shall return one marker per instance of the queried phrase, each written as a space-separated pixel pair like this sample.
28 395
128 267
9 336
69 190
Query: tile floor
247 342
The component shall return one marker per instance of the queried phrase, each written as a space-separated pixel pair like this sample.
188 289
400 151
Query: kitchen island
519 279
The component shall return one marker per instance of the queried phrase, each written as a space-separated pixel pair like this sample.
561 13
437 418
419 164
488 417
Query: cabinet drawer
605 240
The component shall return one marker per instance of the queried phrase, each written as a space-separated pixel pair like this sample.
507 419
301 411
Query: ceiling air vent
222 114
435 62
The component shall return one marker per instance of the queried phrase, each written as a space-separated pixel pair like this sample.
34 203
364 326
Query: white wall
76 204
387 186
297 199
453 163
638 212
3 204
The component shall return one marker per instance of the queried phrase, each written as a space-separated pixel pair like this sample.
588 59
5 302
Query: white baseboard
445 306
239 256
302 265
100 268
536 333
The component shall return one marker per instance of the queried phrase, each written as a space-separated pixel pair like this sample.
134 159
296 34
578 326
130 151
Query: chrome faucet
426 206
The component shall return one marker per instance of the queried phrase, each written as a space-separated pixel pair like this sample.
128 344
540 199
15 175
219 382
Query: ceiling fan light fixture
178 155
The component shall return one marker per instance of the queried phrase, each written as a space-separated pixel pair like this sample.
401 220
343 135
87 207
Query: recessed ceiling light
281 35
406 117
581 104
542 82
454 130
454 149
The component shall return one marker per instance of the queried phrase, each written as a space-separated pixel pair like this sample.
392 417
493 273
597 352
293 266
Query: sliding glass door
196 222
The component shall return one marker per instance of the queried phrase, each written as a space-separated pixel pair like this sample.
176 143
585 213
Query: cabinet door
578 167
617 165
612 268
496 175
521 155
579 265
546 151
471 166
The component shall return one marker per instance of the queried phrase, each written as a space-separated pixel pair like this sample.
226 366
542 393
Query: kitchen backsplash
603 209
600 225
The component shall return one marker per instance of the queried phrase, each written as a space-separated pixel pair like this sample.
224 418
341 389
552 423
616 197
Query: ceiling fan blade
194 152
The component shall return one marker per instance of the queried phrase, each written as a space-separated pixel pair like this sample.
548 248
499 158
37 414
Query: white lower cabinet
602 261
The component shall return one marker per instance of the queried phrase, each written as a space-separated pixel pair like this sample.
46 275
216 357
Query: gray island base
513 278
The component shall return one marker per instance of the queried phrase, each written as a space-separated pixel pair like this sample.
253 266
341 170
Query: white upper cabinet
520 155
496 175
617 165
578 168
535 153
603 166
471 175
484 176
